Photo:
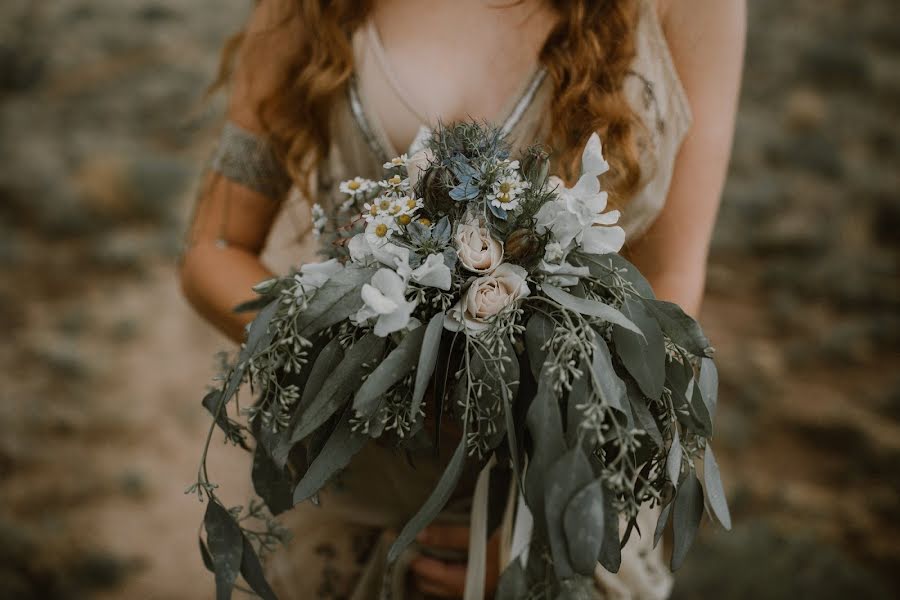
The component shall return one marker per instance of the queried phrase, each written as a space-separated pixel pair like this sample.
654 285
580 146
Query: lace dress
339 547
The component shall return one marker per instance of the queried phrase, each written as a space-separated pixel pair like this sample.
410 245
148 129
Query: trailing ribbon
477 565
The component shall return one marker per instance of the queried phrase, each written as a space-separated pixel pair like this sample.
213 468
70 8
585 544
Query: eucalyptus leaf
389 371
336 300
258 336
342 445
580 395
591 308
270 482
252 305
545 425
686 518
584 523
608 385
226 546
661 523
431 344
644 356
699 411
642 413
513 584
673 459
252 571
205 556
681 328
715 493
538 332
568 474
435 502
610 556
339 385
708 382
601 266
324 366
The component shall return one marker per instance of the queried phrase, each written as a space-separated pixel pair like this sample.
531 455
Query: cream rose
477 250
487 295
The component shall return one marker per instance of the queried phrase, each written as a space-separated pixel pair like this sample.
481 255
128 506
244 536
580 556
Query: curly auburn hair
587 55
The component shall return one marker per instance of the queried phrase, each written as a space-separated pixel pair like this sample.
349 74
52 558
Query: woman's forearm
215 280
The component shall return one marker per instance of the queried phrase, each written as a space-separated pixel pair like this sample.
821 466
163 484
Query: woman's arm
706 38
231 221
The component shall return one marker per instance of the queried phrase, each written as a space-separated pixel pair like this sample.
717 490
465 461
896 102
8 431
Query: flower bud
522 244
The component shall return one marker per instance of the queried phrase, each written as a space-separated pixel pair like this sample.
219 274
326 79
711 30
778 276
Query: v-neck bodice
360 146
372 61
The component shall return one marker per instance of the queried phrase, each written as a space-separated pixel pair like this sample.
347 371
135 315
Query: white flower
553 252
397 161
312 276
507 187
575 216
380 229
384 299
433 272
379 206
384 252
395 182
319 220
417 164
558 270
477 250
487 296
356 186
562 274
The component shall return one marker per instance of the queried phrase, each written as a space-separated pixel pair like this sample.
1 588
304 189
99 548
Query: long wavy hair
587 55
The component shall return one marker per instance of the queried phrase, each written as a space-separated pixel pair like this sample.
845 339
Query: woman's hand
447 579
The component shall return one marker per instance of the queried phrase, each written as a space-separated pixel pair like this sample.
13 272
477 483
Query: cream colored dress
339 547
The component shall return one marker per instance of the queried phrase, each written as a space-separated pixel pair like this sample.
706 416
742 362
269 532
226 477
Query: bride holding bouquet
336 107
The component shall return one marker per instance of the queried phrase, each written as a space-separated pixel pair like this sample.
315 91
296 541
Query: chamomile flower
397 161
356 186
395 183
507 188
381 205
380 229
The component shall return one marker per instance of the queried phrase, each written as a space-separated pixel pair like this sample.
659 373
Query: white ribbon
476 567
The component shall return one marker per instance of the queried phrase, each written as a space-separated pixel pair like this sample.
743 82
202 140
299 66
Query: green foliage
619 413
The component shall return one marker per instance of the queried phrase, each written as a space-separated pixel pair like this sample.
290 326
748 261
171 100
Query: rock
806 110
755 561
21 69
836 64
812 152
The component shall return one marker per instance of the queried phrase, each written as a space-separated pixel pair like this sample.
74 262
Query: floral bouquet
477 286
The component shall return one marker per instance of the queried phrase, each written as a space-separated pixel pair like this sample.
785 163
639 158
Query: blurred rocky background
103 130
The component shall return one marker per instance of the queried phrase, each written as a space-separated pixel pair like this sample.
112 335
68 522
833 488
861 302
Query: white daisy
356 186
397 161
507 188
395 182
380 229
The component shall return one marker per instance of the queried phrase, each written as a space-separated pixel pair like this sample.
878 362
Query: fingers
439 578
447 536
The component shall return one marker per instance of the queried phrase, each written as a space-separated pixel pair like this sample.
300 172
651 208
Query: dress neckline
372 127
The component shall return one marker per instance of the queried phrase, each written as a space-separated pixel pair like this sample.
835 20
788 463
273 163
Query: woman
324 91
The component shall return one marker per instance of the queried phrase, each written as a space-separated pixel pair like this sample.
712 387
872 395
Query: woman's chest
426 60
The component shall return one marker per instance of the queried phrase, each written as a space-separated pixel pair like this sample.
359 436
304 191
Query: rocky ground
103 131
